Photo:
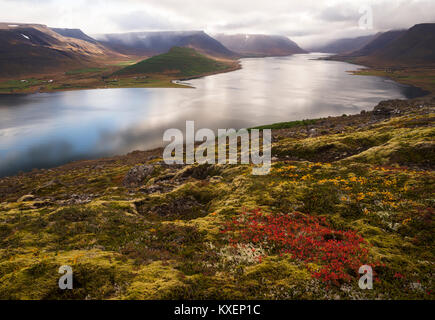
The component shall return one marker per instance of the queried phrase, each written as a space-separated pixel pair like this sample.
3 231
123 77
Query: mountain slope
412 47
74 33
259 45
415 46
179 61
27 49
380 41
152 43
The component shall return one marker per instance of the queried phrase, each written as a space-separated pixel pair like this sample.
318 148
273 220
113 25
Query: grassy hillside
179 62
345 191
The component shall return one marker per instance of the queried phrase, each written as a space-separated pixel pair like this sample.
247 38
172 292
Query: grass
86 70
124 63
288 125
13 86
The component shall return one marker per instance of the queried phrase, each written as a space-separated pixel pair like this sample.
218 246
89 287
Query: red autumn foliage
306 238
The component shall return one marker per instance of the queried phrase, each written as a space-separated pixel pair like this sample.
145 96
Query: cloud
339 14
146 20
307 21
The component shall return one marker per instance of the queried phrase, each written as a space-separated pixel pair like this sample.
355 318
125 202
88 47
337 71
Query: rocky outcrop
137 175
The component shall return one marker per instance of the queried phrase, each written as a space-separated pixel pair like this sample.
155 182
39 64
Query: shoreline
420 76
151 81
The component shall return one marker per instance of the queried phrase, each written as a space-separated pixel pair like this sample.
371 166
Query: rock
416 286
154 189
137 175
388 108
200 172
27 197
312 132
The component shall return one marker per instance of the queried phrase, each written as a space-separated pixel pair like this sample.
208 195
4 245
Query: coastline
418 76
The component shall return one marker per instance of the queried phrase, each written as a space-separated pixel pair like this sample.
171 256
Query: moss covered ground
187 231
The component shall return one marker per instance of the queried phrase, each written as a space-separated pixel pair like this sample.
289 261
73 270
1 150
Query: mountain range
341 46
29 49
153 43
412 47
259 44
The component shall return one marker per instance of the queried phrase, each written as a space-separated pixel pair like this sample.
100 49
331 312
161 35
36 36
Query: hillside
152 43
178 62
259 45
341 46
415 46
343 192
74 33
379 42
29 49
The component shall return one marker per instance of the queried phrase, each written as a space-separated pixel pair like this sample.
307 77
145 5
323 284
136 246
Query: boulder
137 175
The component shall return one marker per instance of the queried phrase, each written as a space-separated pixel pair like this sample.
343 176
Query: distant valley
258 45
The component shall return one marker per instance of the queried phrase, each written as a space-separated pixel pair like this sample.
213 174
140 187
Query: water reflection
44 130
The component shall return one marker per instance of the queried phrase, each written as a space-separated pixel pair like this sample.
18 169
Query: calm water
44 130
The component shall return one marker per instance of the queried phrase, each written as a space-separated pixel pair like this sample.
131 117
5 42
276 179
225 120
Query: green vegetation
156 72
86 70
125 63
13 86
179 62
288 125
164 237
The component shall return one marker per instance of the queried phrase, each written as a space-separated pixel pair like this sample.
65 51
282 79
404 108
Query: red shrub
309 239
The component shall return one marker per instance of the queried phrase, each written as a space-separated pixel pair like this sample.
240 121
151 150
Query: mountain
342 46
259 45
415 46
152 43
74 33
29 49
380 41
179 62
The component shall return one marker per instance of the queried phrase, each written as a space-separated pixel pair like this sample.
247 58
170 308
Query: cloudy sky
306 21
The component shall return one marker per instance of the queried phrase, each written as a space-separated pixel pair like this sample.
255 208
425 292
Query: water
49 129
